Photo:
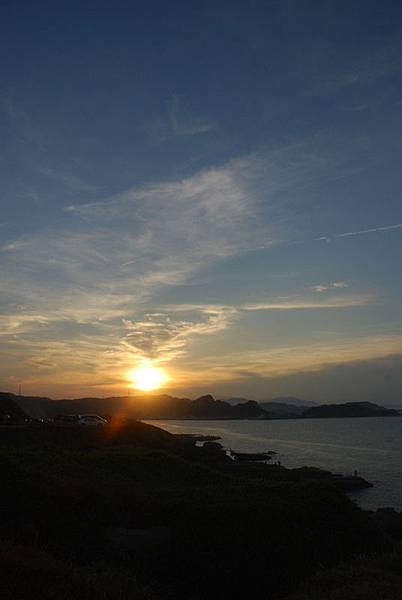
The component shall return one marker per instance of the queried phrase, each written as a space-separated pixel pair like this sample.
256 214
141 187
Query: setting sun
147 378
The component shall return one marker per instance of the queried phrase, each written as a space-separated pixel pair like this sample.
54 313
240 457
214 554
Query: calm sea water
372 446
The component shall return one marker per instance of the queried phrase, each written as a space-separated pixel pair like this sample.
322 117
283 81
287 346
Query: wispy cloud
367 69
81 274
347 302
182 123
170 230
165 336
177 121
162 338
60 175
326 287
27 130
104 271
296 303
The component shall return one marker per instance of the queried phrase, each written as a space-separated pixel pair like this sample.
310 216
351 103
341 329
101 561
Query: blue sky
212 188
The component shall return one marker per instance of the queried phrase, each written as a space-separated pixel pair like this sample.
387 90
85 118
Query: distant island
163 406
350 409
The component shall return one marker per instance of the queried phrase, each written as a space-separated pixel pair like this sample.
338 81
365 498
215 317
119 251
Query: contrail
359 232
326 238
373 230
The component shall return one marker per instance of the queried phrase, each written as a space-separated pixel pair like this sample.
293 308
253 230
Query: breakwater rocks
192 438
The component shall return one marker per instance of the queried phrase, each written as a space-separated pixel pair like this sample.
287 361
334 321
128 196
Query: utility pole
19 390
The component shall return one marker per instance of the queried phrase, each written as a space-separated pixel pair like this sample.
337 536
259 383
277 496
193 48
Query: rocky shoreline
208 449
174 510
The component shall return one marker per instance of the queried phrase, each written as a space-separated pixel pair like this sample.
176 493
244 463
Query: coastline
372 447
139 500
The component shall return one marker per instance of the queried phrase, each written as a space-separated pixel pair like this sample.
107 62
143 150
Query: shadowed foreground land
128 512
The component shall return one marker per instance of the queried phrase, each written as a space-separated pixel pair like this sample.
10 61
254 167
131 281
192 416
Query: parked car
91 420
83 420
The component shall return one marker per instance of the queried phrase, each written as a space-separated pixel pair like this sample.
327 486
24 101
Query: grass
363 579
28 573
65 491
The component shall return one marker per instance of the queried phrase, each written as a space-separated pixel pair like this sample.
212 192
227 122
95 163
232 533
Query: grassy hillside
126 500
363 579
9 409
27 573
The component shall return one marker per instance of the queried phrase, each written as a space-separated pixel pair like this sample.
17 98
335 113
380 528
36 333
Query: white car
73 420
91 420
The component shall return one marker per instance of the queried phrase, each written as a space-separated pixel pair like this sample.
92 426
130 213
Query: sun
147 378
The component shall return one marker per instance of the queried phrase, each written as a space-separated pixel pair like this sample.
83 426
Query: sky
212 188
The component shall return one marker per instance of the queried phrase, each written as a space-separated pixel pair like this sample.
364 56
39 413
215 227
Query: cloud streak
380 229
326 287
349 302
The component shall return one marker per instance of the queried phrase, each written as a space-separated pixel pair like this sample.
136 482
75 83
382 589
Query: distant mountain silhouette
280 407
350 409
163 406
155 406
283 410
249 409
278 400
293 401
234 400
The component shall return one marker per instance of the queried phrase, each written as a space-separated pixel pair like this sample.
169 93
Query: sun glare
147 378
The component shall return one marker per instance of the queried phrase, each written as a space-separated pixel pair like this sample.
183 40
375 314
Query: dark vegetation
130 511
362 579
10 410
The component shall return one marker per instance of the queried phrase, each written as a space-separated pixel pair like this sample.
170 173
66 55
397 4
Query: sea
371 446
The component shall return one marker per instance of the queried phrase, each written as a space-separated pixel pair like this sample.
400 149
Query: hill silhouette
149 406
350 409
10 410
164 406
